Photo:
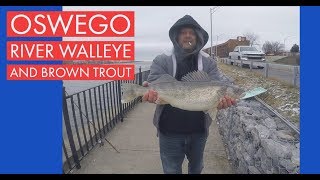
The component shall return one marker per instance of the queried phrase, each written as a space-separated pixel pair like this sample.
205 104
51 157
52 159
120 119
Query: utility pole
284 42
211 32
212 10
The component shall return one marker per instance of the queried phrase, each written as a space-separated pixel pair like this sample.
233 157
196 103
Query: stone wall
257 141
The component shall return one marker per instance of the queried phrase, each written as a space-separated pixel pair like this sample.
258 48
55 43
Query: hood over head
202 36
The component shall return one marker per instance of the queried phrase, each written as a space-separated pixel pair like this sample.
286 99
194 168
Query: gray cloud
152 24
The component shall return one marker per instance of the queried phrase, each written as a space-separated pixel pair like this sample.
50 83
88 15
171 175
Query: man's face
187 38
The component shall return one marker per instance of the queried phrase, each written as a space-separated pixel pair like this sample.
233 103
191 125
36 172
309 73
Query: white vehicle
246 54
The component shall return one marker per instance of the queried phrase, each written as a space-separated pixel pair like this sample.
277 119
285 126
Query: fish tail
131 91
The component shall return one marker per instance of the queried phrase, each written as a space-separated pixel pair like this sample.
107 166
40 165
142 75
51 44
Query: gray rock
255 136
253 170
259 114
264 168
285 136
243 109
250 111
265 163
247 158
255 117
247 120
242 168
298 145
269 123
264 114
283 171
295 159
249 148
273 135
244 103
269 163
288 165
239 150
274 170
296 170
254 104
263 131
275 150
242 136
258 154
282 126
249 127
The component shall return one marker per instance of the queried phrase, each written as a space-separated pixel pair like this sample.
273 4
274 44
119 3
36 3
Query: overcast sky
270 23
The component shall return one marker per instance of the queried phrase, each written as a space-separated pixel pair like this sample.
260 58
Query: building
224 48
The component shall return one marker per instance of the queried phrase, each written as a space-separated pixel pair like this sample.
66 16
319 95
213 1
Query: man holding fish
188 90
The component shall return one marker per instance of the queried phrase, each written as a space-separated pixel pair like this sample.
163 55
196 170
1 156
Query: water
74 86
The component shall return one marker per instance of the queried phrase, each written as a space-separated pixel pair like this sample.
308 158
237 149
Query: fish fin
160 101
164 79
212 113
131 91
196 76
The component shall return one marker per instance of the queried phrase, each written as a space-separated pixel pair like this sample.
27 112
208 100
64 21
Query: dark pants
174 147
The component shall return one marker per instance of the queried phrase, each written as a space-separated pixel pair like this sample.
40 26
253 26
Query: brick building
224 48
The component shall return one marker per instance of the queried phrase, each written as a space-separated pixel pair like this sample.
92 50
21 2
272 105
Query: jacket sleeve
158 68
215 74
213 71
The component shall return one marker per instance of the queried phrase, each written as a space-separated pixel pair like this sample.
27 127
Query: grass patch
283 97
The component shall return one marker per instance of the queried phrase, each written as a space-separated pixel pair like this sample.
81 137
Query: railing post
251 63
241 63
140 80
140 76
119 100
266 70
69 131
295 74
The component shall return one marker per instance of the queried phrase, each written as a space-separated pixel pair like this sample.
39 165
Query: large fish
195 92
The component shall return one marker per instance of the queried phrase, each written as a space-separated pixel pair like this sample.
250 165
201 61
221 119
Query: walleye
195 92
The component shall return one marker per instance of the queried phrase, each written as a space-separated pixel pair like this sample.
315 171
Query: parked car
247 54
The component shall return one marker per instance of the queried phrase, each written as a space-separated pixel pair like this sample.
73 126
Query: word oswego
71 23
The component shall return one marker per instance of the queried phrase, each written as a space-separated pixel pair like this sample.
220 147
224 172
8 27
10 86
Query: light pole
212 10
284 42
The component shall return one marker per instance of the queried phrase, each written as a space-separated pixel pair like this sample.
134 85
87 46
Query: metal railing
292 72
89 115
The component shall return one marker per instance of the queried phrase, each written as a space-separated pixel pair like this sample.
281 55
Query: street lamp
284 42
212 10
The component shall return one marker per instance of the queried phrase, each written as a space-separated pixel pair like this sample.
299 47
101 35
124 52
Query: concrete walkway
138 144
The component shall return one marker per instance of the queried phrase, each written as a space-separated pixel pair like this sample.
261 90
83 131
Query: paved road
277 71
280 74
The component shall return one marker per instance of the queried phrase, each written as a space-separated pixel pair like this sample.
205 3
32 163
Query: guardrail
293 72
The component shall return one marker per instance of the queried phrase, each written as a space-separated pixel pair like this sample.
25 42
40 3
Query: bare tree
267 47
275 47
278 48
252 37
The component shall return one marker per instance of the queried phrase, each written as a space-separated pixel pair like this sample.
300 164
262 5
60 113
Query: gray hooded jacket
167 63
